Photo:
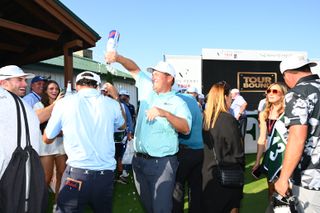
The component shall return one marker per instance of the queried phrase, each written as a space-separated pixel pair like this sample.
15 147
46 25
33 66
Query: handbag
22 186
229 175
128 153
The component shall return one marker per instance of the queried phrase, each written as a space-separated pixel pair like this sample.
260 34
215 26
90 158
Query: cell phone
256 173
72 183
63 91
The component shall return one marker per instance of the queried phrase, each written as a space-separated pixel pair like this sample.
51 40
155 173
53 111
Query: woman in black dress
221 133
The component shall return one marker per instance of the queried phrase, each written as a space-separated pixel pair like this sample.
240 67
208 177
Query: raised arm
45 113
113 93
127 63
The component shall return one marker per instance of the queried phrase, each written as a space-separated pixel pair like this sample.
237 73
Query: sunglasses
273 91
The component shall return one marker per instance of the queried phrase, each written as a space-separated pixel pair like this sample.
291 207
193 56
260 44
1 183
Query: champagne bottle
69 89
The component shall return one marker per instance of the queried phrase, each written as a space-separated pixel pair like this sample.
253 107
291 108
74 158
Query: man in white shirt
13 79
238 109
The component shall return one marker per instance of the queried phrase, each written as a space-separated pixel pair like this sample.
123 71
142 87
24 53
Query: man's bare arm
294 149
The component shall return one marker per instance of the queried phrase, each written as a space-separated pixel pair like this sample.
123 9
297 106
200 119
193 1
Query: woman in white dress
52 156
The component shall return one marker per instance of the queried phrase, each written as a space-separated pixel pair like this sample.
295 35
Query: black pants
189 170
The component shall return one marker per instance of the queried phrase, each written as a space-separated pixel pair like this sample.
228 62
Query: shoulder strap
18 119
213 150
19 104
28 143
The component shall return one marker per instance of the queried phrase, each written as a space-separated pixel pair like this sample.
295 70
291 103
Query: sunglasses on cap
273 91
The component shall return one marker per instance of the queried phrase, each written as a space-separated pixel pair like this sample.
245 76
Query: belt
146 156
183 146
87 171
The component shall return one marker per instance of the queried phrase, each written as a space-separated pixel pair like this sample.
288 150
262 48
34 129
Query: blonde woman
273 135
221 134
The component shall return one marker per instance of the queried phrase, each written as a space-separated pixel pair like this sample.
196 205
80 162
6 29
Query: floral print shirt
303 108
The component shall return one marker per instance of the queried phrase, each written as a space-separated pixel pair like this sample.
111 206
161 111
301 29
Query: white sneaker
54 208
125 173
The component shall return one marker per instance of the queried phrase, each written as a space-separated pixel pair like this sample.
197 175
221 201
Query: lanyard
37 96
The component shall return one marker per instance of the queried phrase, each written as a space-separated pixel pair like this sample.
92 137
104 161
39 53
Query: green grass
255 192
126 200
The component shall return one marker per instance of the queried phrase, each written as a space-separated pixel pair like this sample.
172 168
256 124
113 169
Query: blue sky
149 29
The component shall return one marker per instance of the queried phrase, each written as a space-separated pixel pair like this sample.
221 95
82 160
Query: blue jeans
80 187
154 180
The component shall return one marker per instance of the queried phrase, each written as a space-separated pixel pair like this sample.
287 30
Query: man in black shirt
302 113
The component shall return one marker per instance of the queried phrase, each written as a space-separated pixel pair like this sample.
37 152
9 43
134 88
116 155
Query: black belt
87 171
183 146
146 156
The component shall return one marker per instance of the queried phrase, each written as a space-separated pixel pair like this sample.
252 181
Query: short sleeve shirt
236 105
262 105
303 108
158 138
32 98
194 139
88 120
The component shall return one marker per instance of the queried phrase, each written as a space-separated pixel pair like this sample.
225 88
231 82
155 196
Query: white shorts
55 148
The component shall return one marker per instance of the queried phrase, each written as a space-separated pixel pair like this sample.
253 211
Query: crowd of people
182 144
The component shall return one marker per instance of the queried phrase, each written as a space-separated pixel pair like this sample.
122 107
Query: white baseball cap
124 92
295 62
88 75
13 71
192 90
163 67
201 96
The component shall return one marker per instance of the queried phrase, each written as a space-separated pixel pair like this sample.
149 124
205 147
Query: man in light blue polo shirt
162 115
88 120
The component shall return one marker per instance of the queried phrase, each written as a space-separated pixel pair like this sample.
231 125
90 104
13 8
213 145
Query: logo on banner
255 81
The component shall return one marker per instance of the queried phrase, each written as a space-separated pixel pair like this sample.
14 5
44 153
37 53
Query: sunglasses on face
273 91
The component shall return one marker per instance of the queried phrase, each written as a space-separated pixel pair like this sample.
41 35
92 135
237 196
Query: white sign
188 71
248 55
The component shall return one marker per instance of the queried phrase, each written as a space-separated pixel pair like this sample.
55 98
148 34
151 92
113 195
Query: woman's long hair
284 90
45 100
215 104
